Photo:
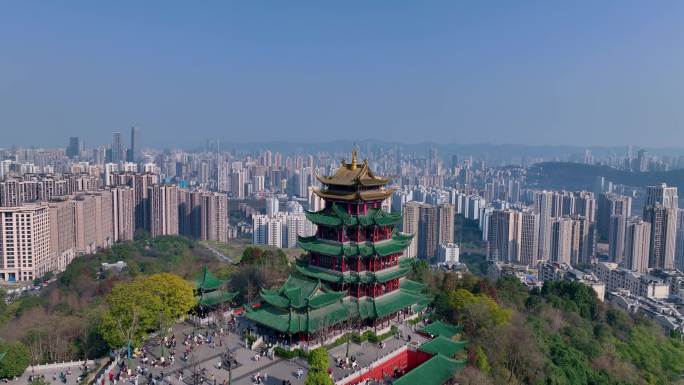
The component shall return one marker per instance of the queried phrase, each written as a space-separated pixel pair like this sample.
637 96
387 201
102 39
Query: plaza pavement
277 369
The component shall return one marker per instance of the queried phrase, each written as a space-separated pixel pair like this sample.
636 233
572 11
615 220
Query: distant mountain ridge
489 150
577 176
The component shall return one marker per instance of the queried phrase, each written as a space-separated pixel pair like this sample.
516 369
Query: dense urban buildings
112 191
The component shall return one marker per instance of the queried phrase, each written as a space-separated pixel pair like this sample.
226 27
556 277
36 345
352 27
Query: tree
476 312
177 297
143 305
132 311
15 359
318 368
472 376
176 294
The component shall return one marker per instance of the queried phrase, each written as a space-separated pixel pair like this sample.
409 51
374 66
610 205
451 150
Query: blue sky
546 72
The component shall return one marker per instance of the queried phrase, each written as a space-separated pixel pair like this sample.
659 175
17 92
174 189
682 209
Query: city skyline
582 74
341 193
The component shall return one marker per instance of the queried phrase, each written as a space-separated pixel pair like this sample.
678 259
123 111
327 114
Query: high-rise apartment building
62 233
163 210
104 229
85 213
503 235
428 231
118 152
585 232
446 213
133 153
237 184
529 238
123 213
663 235
411 220
73 149
585 205
662 194
610 204
679 243
272 206
25 252
543 205
563 240
213 216
637 243
616 238
513 236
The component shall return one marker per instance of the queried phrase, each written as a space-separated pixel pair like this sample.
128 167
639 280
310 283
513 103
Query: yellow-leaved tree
143 305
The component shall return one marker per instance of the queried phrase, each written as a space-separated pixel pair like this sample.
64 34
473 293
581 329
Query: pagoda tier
353 183
355 268
303 306
339 215
396 244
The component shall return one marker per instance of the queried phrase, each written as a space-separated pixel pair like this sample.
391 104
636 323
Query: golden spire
353 162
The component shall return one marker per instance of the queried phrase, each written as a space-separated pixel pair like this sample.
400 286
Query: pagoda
354 271
210 291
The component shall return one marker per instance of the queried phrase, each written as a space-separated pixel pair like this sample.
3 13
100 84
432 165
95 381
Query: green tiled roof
439 328
325 299
323 275
300 293
337 216
411 286
443 345
384 276
304 305
352 276
216 297
299 321
321 218
275 300
315 245
435 371
396 244
207 281
395 301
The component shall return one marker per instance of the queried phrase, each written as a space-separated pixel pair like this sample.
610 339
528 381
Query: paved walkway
206 356
366 353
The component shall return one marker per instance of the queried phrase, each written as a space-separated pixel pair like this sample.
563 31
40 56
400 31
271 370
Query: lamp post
229 362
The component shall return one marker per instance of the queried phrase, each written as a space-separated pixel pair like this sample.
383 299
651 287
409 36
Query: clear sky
544 72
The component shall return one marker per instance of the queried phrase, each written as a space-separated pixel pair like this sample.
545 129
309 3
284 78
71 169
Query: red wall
406 361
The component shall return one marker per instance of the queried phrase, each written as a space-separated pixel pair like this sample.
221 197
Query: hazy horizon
582 74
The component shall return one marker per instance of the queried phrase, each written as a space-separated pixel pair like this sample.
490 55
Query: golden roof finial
353 162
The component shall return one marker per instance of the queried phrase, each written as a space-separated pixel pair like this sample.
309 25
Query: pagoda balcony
354 264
